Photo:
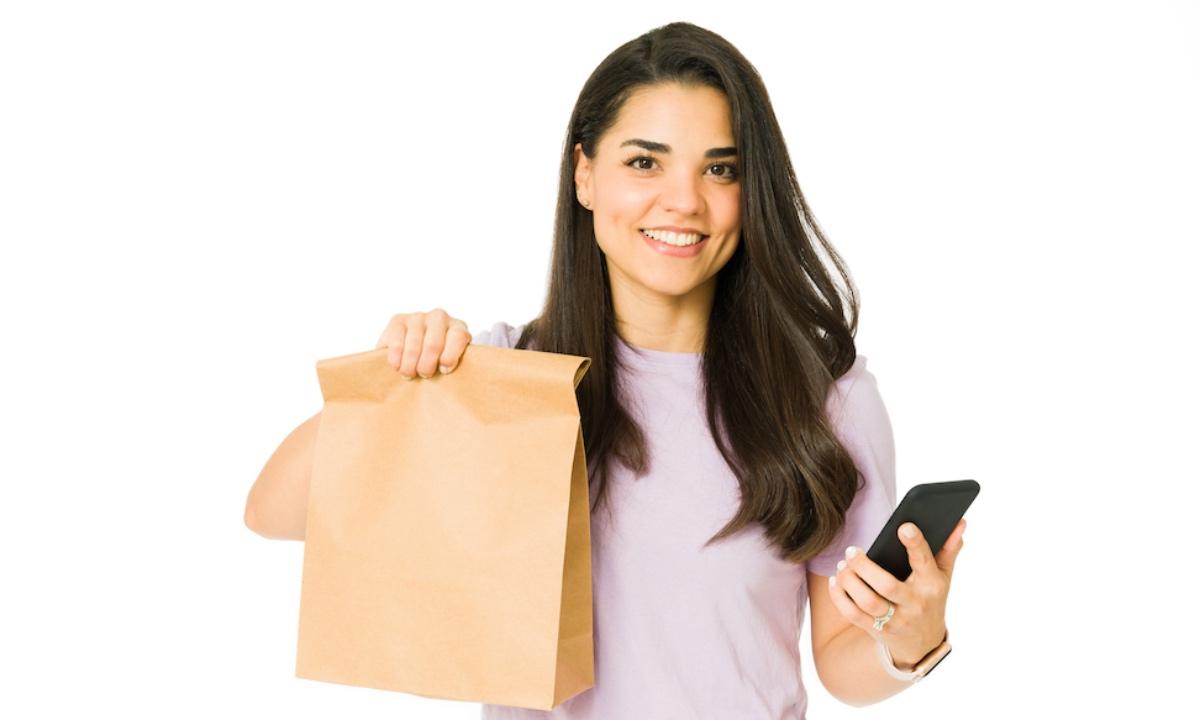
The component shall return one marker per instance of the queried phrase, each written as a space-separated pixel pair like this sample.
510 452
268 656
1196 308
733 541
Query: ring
882 619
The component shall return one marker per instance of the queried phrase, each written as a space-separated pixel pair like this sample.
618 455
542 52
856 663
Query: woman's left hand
862 589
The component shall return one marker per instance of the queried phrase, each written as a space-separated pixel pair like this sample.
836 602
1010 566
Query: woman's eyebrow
717 152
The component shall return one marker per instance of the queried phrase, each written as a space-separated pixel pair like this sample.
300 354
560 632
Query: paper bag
448 547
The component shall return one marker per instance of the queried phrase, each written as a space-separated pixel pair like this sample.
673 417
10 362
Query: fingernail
841 564
907 531
443 369
851 552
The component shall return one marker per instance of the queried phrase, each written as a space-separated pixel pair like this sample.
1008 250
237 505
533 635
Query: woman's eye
638 159
730 171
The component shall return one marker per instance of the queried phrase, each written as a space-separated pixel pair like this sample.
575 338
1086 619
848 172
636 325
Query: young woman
727 417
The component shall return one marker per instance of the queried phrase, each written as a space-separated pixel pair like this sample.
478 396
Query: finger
457 339
414 340
437 323
393 335
864 597
920 557
885 584
846 606
950 549
393 340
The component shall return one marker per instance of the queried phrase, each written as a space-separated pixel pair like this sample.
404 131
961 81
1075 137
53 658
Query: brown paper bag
448 546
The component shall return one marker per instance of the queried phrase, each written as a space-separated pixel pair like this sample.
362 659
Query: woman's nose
682 195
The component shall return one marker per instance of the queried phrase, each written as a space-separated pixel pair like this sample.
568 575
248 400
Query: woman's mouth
674 244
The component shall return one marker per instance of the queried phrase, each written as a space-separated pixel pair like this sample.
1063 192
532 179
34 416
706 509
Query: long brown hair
777 337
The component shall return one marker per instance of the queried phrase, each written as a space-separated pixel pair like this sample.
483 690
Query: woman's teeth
671 238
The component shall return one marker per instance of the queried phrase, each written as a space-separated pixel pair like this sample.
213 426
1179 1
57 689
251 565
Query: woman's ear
583 176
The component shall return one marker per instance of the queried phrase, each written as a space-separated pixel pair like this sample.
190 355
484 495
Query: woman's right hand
424 343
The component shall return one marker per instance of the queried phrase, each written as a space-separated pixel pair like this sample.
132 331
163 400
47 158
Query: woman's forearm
851 670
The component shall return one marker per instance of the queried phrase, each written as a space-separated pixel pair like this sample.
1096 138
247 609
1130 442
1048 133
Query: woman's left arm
849 666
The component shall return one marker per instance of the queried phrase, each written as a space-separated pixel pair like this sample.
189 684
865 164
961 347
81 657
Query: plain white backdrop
200 200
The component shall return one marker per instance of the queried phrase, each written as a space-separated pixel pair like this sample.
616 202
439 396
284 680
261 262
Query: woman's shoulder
856 372
501 334
855 394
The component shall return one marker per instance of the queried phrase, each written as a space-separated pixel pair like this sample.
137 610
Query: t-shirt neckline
663 358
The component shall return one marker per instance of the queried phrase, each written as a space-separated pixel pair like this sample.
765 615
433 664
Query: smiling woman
736 441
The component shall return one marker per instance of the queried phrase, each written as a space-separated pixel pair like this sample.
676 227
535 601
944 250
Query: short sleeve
501 335
861 422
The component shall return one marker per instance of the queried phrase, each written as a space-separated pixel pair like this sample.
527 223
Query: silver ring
882 619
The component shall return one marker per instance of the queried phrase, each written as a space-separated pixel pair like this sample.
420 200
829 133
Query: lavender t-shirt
687 632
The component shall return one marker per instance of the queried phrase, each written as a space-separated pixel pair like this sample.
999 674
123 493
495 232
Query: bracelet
914 675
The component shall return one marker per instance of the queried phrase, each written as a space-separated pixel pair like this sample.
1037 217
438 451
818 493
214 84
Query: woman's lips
674 250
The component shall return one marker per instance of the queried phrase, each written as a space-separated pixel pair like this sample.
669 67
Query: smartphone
933 507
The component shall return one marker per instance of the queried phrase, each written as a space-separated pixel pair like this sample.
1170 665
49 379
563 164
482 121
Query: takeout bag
448 550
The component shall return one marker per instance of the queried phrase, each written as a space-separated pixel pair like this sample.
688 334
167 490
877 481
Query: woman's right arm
418 343
277 506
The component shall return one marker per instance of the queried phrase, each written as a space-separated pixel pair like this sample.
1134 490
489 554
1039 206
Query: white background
200 200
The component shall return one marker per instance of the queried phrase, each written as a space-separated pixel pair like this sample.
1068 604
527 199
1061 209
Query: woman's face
668 161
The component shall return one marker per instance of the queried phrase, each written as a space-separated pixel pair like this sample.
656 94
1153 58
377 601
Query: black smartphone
933 507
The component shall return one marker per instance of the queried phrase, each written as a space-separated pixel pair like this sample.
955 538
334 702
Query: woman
726 414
